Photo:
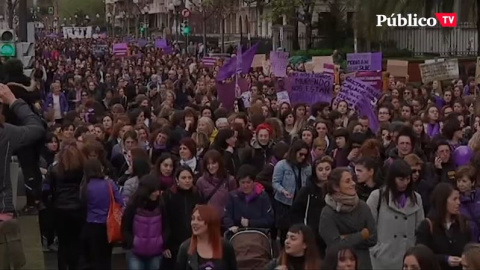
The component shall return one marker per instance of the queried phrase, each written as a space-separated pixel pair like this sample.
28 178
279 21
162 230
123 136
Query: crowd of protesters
148 133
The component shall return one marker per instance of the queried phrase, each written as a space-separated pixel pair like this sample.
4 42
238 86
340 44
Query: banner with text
372 78
311 88
77 32
439 71
364 61
354 90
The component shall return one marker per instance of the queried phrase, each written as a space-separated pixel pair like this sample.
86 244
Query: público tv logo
412 20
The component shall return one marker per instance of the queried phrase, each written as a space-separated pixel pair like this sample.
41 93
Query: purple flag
142 42
161 43
226 92
366 110
230 68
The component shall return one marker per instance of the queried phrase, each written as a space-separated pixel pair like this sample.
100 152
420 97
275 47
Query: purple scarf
157 146
433 129
166 181
402 200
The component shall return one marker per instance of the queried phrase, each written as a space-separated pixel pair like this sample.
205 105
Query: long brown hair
312 260
211 217
70 157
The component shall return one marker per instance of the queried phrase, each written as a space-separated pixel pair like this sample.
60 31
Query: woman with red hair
206 249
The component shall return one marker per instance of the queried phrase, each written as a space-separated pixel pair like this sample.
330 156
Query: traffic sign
186 13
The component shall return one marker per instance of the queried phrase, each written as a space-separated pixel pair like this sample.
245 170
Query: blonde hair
209 123
474 142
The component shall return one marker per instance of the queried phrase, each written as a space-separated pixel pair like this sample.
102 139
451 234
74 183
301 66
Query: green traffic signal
186 31
7 50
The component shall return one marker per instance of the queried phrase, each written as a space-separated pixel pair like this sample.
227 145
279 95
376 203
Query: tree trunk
308 35
222 34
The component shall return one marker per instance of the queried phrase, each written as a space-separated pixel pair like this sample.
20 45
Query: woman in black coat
310 201
445 231
180 200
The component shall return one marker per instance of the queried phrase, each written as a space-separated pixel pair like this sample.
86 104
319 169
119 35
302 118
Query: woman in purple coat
143 226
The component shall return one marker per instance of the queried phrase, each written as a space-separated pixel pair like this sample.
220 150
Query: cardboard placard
446 70
258 59
397 68
319 61
309 67
477 71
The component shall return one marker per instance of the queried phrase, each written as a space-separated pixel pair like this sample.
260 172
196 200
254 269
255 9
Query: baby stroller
252 248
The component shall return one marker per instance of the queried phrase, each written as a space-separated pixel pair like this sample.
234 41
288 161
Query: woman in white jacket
397 210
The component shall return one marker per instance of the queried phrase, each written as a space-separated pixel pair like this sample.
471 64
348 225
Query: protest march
150 154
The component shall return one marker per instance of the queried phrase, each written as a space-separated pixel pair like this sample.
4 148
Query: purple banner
354 91
372 78
364 61
161 43
120 49
362 97
311 88
279 63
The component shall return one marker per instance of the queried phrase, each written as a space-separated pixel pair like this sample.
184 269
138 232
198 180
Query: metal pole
177 27
22 20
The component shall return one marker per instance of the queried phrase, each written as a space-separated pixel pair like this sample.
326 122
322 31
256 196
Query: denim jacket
284 179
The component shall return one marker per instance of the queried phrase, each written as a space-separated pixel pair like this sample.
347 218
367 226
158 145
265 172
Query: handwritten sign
354 91
311 88
364 61
282 97
446 70
372 78
279 63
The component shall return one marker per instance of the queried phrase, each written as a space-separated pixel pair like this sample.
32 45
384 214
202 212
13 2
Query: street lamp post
109 21
177 5
146 10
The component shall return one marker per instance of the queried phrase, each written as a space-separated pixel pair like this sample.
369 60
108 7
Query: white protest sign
439 71
77 32
247 97
282 97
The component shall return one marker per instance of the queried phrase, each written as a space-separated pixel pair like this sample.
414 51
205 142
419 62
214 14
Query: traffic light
186 30
7 43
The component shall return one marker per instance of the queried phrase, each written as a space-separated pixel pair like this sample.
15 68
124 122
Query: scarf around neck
342 202
192 163
433 129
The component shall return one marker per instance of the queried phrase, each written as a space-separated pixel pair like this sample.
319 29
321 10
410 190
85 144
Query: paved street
36 259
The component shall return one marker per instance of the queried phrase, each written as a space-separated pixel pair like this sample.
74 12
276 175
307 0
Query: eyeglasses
303 154
415 171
